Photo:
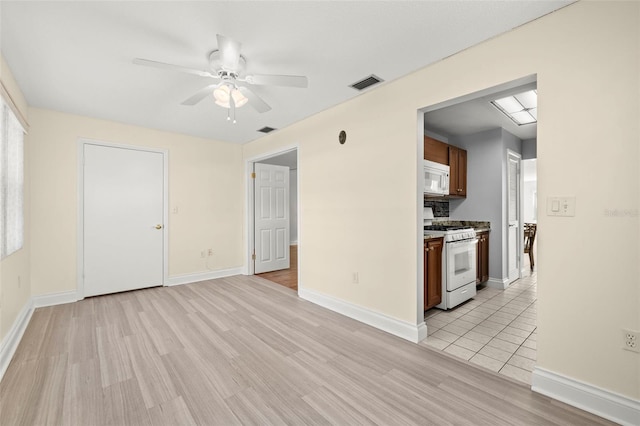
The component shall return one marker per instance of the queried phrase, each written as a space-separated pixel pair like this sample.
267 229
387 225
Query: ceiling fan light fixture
224 92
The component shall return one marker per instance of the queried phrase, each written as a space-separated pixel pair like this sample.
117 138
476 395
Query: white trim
419 197
500 284
53 299
12 339
411 332
601 402
202 276
80 211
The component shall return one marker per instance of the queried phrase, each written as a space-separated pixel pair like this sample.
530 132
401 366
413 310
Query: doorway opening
273 218
497 328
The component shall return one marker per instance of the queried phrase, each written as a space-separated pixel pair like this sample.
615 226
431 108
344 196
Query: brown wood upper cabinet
455 158
457 171
437 151
432 272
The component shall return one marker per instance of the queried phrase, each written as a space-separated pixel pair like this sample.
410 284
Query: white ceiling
477 115
76 56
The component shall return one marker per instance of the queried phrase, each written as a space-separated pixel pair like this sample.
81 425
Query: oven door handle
462 242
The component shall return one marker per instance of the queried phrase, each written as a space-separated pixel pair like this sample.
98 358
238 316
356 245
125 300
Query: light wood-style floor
242 350
286 277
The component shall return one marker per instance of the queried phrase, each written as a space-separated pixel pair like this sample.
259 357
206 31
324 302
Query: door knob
158 226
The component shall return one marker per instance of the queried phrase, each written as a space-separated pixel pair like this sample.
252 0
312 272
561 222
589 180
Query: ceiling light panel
521 108
528 99
509 104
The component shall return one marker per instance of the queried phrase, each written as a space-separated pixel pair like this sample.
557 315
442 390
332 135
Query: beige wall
15 286
205 183
358 202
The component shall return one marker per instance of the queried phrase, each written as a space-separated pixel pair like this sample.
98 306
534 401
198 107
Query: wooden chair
529 239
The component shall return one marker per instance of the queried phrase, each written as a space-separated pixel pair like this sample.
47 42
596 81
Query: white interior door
271 203
123 217
514 212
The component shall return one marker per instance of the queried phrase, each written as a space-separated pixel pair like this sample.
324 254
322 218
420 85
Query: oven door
461 263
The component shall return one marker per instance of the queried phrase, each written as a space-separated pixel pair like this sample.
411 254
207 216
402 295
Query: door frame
249 211
520 232
81 142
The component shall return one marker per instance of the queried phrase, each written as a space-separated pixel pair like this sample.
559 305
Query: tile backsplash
440 208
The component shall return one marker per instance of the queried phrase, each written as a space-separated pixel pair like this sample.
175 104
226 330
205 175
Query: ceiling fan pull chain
232 104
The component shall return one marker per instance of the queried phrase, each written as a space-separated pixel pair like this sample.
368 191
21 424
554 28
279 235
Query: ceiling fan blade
254 100
162 65
200 95
278 80
229 53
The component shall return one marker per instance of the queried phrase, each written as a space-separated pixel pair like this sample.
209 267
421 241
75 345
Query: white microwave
436 179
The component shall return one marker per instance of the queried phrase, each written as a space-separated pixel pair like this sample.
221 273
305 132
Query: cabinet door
462 173
457 171
425 254
479 259
433 273
453 170
485 258
434 150
482 266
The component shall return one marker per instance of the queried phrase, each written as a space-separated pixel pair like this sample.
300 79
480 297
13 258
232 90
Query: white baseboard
53 299
500 284
412 332
203 276
12 339
601 402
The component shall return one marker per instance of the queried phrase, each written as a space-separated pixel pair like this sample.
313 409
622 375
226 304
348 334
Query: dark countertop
479 226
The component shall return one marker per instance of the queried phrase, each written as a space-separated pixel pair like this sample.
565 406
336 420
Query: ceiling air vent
266 129
366 82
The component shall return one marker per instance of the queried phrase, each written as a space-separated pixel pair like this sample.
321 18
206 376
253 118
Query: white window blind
11 182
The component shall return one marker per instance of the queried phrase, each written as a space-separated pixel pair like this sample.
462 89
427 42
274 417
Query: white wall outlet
210 252
203 254
631 340
355 278
561 206
174 210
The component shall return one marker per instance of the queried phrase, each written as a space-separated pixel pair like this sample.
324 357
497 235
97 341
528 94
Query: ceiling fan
228 65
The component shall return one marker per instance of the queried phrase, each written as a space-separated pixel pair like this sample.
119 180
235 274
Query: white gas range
458 263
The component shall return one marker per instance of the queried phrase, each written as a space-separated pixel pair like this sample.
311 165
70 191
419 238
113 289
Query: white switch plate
561 206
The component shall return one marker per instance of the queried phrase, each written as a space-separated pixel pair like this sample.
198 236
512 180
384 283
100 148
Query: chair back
529 236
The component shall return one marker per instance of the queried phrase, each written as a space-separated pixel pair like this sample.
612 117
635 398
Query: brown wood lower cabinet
432 272
482 251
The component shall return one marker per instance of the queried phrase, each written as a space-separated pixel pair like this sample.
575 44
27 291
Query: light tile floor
496 329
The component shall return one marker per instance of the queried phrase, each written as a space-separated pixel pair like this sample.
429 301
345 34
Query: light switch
561 206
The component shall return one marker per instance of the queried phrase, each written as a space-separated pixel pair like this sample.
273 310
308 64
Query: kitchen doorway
279 273
497 328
